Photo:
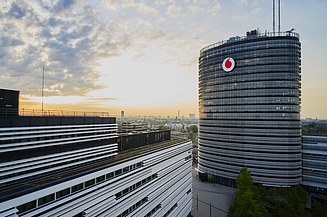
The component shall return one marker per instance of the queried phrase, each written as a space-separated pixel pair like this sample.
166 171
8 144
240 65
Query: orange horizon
172 111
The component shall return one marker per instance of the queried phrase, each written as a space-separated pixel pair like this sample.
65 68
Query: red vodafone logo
228 64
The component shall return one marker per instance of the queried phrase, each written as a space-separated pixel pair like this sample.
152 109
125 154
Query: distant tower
122 113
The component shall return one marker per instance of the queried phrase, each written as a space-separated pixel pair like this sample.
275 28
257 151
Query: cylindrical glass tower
249 98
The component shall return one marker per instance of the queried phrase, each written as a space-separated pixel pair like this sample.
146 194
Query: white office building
70 166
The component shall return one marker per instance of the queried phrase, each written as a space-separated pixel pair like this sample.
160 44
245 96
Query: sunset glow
140 56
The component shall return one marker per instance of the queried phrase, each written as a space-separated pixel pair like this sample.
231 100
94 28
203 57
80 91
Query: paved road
220 198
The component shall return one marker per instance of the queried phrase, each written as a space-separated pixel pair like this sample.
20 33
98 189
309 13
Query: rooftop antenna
279 16
291 30
274 17
42 86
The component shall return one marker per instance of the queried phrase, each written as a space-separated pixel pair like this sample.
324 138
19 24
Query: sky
141 56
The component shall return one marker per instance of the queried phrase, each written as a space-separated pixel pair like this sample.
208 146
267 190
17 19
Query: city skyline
141 56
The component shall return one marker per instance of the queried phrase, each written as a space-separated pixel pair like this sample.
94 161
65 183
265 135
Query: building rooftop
254 34
34 121
35 183
48 112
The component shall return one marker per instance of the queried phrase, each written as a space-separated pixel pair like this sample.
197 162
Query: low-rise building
71 166
314 162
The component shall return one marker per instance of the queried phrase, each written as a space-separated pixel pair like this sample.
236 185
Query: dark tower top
9 102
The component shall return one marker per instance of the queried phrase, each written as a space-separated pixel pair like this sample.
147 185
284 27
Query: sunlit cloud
241 2
173 10
110 5
136 55
101 99
195 8
68 46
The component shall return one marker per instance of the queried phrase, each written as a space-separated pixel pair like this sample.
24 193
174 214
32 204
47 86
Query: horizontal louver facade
72 167
155 184
250 116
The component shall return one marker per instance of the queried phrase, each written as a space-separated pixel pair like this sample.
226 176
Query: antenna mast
274 17
279 16
42 86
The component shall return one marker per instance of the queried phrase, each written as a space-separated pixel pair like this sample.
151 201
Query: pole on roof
273 16
42 86
279 16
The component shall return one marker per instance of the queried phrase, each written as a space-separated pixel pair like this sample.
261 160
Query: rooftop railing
251 36
36 112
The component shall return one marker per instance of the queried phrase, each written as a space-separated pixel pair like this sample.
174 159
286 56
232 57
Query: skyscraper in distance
249 98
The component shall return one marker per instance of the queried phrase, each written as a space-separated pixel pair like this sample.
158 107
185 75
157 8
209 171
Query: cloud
173 9
256 11
241 18
63 5
195 8
163 2
168 44
141 7
16 11
6 41
101 99
110 5
241 2
69 44
215 7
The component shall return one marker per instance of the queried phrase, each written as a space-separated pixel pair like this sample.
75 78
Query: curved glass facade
250 116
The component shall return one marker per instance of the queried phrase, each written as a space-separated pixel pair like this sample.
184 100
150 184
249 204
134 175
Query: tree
192 133
286 201
247 203
318 209
193 129
297 198
304 130
314 128
244 181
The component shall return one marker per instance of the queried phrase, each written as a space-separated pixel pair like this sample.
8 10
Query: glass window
89 183
62 193
125 213
118 172
125 169
81 214
100 178
110 175
77 187
46 199
118 195
125 191
26 206
138 184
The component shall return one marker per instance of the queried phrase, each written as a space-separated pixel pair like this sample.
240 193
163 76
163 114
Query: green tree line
314 128
257 201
